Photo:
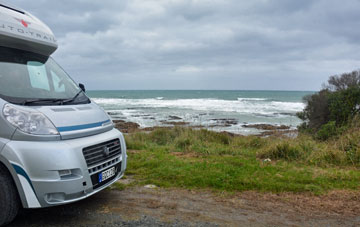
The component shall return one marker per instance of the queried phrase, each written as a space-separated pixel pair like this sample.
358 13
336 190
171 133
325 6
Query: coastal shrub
344 81
316 112
327 131
333 107
344 105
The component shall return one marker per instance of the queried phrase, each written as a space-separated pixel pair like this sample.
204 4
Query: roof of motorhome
21 30
10 6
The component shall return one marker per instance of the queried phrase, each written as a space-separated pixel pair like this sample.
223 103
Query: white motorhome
56 145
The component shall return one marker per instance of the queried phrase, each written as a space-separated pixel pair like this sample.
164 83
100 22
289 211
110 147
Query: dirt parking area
142 206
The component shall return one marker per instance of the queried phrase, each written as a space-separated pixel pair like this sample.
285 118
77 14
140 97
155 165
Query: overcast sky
203 44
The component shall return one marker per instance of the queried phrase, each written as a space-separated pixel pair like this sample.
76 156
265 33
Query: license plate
106 174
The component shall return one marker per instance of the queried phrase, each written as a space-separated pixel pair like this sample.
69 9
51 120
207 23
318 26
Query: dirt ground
142 206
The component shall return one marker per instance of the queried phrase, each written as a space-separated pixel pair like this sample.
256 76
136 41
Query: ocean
215 110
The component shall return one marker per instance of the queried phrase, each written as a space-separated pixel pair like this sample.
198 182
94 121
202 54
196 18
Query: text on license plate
106 174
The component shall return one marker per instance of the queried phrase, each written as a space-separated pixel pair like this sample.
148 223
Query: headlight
29 121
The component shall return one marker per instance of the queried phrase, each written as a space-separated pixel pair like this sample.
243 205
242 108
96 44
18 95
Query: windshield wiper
60 101
34 101
73 98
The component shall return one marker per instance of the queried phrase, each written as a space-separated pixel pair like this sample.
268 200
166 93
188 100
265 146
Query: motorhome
56 145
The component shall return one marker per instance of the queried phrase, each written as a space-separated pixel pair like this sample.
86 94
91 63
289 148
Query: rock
230 134
224 122
267 160
287 114
171 117
267 127
149 118
150 186
279 133
113 113
126 127
149 129
141 115
175 123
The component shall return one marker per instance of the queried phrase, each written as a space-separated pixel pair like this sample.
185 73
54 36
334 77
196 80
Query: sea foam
251 106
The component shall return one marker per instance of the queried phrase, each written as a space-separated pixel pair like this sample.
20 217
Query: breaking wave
245 106
252 99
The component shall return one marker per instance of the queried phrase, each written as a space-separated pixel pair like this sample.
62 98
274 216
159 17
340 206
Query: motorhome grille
101 152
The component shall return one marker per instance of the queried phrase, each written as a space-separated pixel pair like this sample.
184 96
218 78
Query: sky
203 44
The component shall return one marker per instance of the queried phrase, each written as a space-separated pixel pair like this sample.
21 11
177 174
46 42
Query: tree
337 103
344 105
345 81
316 112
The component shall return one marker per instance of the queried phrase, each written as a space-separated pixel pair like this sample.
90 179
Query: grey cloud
203 44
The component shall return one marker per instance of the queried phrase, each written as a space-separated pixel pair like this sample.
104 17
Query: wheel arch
9 168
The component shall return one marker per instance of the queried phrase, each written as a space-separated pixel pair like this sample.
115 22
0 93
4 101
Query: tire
9 198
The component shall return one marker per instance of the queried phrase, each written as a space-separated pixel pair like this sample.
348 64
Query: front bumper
36 168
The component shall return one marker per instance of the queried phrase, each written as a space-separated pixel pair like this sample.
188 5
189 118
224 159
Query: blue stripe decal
79 127
22 172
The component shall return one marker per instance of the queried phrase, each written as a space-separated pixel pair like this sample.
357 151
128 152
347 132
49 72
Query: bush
344 105
316 112
333 107
345 81
327 131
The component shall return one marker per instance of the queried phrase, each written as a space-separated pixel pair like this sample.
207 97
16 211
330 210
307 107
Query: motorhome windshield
31 79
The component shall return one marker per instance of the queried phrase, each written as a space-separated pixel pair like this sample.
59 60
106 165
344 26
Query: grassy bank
182 157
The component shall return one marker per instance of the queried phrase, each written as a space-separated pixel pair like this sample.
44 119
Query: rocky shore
265 130
267 127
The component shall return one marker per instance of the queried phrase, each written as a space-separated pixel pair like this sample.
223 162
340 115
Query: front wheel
9 200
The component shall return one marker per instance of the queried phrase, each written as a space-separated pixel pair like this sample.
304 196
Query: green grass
201 159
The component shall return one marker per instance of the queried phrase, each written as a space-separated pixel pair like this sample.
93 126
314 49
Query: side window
58 83
38 76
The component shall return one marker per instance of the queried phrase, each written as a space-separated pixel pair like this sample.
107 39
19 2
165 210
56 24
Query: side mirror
82 87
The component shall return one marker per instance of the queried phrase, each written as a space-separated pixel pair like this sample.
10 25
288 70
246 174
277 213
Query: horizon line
195 90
